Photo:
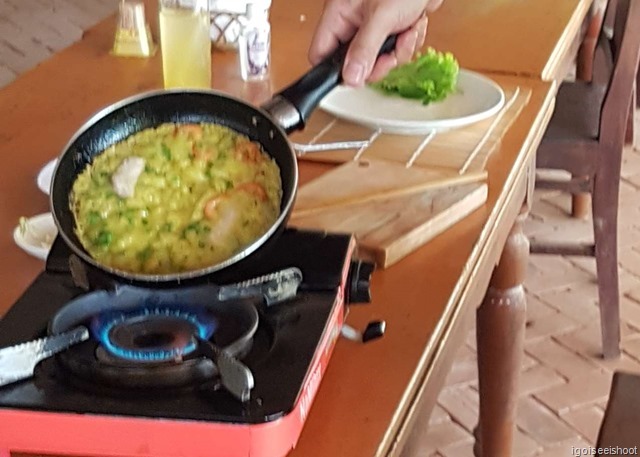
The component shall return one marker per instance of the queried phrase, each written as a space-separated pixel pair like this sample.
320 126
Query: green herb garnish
104 239
166 152
430 77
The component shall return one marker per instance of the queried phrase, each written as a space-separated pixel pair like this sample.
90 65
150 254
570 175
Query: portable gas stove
196 371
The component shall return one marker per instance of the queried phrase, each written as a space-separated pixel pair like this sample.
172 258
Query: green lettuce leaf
429 77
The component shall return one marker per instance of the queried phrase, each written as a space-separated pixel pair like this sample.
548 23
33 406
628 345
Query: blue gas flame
104 323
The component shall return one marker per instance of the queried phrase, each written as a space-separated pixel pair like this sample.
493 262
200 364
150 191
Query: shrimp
248 151
254 189
226 215
207 154
192 130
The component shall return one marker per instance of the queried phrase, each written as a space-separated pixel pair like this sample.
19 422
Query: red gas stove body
51 414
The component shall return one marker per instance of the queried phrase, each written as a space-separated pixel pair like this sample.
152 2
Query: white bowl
36 235
46 175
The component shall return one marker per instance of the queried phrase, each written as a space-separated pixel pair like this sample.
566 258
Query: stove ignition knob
359 282
374 330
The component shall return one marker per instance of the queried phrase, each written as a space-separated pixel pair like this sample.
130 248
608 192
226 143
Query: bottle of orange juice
185 43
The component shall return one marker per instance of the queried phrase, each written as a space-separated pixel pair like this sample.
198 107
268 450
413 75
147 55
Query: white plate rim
415 127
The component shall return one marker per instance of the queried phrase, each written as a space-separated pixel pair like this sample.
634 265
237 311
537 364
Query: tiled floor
564 382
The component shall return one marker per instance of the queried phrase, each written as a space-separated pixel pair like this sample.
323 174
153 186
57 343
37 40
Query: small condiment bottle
254 42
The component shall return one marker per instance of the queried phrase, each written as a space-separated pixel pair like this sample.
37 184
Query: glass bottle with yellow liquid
185 43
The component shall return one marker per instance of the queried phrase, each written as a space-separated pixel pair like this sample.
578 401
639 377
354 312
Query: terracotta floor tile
627 236
627 189
543 210
622 363
471 340
457 450
634 294
524 445
587 421
541 424
585 263
587 340
464 369
538 377
535 226
585 389
579 302
560 200
632 347
553 324
440 436
630 312
628 281
438 416
630 163
583 292
552 272
629 259
528 362
564 361
537 309
461 403
563 230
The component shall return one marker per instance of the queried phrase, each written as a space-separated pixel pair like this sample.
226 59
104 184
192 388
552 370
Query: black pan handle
292 106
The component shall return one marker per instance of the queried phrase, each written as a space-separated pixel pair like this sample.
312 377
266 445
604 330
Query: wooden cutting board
365 181
388 230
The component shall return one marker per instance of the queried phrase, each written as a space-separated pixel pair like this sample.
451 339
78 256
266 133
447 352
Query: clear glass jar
185 43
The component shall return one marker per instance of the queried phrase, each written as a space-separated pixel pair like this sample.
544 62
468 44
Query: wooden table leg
500 333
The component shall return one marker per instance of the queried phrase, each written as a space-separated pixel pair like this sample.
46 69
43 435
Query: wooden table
526 38
372 395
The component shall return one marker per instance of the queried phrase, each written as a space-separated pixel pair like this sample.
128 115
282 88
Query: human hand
368 23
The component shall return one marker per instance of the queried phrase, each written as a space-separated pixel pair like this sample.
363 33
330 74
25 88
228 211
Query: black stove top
279 357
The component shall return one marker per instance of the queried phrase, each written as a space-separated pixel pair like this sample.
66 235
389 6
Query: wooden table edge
480 264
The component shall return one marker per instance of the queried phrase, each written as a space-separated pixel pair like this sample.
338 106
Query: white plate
46 175
38 237
476 99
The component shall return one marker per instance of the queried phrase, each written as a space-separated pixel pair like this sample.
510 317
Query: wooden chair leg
638 89
605 228
580 204
586 51
631 120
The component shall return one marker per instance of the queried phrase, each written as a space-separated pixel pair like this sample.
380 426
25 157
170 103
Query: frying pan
269 125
